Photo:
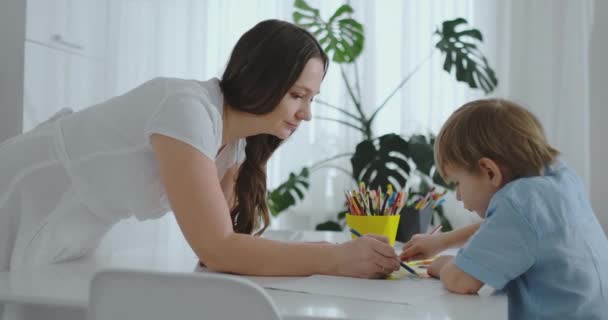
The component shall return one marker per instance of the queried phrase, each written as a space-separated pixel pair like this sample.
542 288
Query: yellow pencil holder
380 225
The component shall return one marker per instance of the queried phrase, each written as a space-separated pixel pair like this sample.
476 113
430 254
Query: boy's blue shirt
542 243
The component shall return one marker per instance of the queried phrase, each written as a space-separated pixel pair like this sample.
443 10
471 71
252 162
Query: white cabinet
84 82
44 83
87 24
64 57
76 26
44 19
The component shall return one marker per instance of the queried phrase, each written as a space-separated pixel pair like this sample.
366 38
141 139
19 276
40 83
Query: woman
198 149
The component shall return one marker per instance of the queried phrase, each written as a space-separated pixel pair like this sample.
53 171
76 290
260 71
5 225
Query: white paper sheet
405 290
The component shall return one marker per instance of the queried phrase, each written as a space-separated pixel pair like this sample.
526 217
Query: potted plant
391 158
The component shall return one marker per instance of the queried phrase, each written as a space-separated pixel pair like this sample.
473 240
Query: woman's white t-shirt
65 183
107 146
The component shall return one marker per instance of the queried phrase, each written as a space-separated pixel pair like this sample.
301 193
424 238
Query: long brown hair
498 129
264 64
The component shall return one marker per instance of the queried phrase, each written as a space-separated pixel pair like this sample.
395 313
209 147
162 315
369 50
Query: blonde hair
497 129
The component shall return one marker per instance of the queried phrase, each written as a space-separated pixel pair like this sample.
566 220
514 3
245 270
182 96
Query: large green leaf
341 37
382 161
462 53
421 152
328 226
445 223
284 196
331 225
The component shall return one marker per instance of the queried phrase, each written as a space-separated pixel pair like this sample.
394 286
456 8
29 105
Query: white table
64 288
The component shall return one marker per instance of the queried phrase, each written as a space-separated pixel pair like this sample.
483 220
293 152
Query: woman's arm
196 197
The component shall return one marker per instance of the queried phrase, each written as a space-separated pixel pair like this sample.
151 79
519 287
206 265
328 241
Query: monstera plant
390 158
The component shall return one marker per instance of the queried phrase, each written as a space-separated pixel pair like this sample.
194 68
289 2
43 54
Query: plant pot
412 222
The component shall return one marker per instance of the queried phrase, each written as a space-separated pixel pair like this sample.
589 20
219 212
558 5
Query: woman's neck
238 125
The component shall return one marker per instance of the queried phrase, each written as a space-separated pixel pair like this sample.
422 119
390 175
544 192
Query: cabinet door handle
59 39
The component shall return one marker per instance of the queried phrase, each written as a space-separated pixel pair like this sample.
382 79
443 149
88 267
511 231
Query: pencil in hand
437 229
405 266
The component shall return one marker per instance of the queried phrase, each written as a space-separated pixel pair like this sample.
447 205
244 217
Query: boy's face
474 189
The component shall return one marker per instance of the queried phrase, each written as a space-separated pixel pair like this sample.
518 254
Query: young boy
540 239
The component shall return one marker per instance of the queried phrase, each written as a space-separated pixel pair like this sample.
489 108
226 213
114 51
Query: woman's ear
491 170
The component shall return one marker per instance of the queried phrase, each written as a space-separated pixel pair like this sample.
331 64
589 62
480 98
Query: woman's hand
422 246
370 256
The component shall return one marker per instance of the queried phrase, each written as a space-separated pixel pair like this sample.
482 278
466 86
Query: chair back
154 295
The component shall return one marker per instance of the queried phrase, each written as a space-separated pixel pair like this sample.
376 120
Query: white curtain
538 49
542 57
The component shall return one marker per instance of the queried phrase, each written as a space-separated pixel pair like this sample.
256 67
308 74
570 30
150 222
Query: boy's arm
501 250
452 277
458 237
424 246
458 281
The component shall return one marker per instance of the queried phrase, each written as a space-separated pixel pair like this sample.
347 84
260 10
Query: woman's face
295 105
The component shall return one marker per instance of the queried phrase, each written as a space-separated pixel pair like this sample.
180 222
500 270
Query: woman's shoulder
208 88
188 113
207 92
167 85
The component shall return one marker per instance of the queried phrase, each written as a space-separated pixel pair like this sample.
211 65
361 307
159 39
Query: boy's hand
437 264
422 246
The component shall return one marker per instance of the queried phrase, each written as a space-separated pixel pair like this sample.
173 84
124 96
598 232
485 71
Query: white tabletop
67 285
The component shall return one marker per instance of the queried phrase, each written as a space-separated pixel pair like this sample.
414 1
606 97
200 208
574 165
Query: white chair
153 295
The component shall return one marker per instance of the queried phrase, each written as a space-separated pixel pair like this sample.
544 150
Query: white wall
599 112
12 34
